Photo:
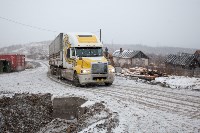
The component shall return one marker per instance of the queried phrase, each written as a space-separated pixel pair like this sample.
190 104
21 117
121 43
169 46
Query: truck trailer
79 57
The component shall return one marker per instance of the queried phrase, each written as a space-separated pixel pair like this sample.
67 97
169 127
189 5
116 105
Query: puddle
68 108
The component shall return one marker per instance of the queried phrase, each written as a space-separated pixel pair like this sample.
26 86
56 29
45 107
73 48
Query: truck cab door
70 56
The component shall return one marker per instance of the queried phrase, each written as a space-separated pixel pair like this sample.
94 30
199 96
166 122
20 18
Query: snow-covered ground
139 107
180 82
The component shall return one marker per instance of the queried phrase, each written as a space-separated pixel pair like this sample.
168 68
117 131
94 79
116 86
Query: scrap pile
31 113
25 113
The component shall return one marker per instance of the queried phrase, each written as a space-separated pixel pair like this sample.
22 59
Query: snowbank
180 82
88 104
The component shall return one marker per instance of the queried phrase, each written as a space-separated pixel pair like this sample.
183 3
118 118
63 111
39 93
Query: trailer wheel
58 73
108 84
76 80
52 71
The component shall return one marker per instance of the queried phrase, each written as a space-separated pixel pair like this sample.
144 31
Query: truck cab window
89 51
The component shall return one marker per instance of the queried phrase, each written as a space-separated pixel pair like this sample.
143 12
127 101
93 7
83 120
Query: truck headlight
84 71
111 70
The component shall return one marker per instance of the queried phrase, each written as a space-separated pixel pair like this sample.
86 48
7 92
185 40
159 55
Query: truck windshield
89 52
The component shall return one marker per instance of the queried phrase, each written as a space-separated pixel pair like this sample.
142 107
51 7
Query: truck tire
52 71
108 84
76 80
58 73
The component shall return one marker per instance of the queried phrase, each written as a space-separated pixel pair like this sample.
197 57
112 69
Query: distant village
138 64
127 62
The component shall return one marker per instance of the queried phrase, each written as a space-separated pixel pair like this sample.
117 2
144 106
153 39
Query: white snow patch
88 104
180 82
92 129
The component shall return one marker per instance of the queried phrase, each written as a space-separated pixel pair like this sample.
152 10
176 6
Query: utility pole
100 35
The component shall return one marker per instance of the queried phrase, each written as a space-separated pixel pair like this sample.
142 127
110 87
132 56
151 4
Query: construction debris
22 113
25 113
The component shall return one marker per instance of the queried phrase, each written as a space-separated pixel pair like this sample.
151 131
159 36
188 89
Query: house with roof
197 52
197 55
183 60
130 58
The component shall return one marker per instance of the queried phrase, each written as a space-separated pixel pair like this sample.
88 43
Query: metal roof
182 59
125 53
197 52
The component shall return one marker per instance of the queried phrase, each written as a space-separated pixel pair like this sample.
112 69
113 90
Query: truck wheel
76 80
58 73
52 71
108 84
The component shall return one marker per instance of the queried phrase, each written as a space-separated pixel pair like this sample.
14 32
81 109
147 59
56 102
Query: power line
35 27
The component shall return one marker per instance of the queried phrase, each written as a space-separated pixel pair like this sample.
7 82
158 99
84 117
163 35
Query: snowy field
139 107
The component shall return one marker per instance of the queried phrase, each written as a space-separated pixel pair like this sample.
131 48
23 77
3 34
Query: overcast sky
148 22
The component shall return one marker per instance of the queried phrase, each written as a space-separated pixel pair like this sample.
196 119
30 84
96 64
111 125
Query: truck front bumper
96 78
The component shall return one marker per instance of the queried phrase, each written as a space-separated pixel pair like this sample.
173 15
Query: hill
39 50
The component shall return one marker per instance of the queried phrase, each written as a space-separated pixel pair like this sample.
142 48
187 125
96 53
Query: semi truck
78 57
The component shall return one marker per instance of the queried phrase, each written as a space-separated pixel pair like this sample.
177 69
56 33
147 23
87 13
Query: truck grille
100 68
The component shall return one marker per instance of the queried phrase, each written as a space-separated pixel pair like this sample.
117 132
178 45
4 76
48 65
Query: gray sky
149 22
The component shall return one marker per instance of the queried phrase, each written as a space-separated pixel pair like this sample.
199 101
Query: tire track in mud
191 102
191 99
194 105
144 102
169 92
159 103
194 101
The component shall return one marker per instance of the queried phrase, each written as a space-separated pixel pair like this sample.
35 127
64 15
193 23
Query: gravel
25 112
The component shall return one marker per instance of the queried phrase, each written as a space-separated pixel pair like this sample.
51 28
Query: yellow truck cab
79 57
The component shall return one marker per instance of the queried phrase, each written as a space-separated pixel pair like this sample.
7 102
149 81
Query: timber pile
141 73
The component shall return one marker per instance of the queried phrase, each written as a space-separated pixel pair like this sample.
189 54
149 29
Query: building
183 64
130 58
182 60
197 52
12 62
197 55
